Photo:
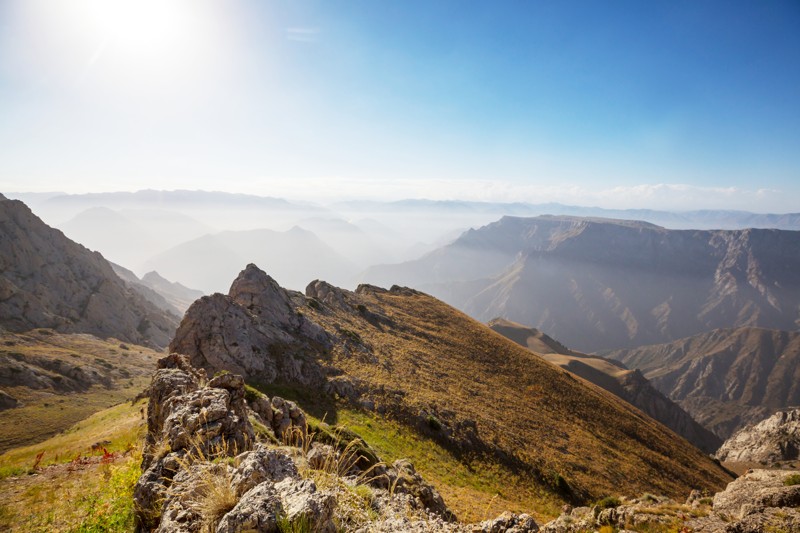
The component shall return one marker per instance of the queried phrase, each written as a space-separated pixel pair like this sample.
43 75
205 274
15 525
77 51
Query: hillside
415 359
600 284
49 281
52 380
726 378
630 385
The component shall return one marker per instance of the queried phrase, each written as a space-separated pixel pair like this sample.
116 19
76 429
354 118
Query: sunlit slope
415 358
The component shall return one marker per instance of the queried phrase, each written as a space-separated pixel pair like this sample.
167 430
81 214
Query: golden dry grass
540 423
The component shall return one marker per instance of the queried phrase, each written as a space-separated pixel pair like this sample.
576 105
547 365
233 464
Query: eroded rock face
257 330
47 280
771 441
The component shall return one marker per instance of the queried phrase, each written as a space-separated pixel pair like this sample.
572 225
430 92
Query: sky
622 104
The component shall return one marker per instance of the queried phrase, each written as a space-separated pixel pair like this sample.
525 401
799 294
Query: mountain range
599 284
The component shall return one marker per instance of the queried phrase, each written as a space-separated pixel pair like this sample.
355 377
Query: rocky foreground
220 457
773 441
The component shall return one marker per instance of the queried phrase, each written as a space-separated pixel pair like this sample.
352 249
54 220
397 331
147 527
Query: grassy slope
545 422
73 489
127 368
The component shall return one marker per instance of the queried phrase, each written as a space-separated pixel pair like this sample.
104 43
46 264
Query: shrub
608 502
434 423
793 479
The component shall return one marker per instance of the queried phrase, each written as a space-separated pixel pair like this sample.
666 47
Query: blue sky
621 104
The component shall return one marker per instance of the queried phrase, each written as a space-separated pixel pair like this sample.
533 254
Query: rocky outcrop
256 330
771 441
759 501
7 401
204 468
47 280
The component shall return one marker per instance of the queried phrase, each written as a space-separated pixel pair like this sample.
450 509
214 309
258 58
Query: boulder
770 441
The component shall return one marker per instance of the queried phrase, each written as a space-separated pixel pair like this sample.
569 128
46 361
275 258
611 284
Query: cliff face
726 378
773 440
600 284
408 356
47 280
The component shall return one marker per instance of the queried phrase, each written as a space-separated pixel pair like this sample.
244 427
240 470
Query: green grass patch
122 426
793 479
474 490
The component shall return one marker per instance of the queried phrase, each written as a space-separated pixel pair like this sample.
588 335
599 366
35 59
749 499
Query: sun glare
141 28
123 41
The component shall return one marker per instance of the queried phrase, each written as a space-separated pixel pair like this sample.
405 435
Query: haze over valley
399 267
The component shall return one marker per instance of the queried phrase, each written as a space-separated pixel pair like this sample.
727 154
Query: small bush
434 423
298 524
252 394
361 308
609 502
313 304
793 479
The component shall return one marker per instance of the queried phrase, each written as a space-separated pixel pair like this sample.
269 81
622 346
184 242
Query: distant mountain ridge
49 281
613 376
296 255
599 284
726 378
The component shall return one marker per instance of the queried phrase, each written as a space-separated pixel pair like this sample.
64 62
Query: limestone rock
755 492
256 331
257 487
772 440
509 523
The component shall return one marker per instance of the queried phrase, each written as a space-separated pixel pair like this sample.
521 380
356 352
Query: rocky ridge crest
205 468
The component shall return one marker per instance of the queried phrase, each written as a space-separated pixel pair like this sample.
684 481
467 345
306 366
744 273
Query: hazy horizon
669 105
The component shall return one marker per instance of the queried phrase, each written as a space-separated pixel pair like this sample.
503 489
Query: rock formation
204 468
759 501
771 441
46 280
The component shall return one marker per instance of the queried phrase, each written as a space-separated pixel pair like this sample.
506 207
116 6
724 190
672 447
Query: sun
142 30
